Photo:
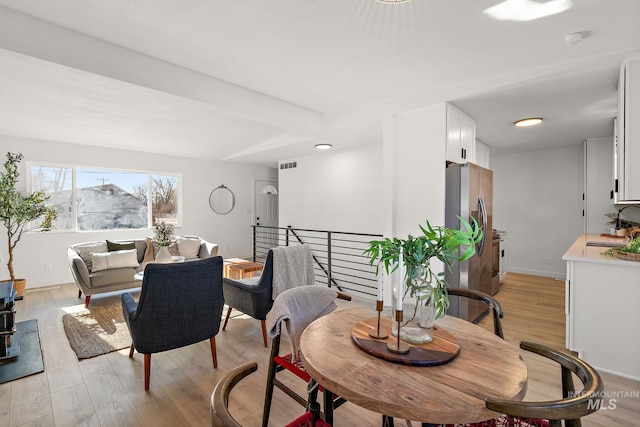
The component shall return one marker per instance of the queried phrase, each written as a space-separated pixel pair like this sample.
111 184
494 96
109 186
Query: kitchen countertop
579 251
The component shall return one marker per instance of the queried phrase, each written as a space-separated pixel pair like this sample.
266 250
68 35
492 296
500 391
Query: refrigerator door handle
483 215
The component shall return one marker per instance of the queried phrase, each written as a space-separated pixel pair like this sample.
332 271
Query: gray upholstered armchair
251 297
180 304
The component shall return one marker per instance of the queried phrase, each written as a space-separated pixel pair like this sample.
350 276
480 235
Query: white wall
334 190
537 199
419 169
363 190
199 177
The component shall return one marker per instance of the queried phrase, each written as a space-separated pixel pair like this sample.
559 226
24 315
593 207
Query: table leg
387 421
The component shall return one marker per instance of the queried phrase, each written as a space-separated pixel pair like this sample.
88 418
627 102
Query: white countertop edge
579 251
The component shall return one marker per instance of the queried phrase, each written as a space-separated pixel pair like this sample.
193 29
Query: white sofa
106 266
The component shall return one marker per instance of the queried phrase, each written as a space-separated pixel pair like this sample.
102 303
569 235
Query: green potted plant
18 212
424 290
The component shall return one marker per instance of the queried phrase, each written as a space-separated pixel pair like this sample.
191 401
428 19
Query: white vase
163 255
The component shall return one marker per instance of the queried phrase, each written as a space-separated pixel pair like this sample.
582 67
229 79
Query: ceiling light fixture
531 121
392 1
323 146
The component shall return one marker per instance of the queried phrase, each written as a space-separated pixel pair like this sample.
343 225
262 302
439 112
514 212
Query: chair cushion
294 366
114 259
306 420
506 421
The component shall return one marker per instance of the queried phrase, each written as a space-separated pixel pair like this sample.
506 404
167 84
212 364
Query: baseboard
554 274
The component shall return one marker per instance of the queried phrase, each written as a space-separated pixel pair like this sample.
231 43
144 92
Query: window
56 182
107 199
164 199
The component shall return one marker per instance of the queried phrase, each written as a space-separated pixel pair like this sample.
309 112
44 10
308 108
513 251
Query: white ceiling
258 81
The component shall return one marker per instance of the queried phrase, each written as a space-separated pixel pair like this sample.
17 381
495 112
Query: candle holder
378 334
398 347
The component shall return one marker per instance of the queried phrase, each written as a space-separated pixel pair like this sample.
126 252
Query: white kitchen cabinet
626 170
601 299
461 136
482 155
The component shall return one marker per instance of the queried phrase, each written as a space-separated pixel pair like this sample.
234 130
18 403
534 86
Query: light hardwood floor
108 390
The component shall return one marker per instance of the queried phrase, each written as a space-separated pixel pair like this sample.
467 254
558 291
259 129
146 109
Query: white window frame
74 192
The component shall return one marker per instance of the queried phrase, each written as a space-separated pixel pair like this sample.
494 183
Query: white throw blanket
297 308
292 267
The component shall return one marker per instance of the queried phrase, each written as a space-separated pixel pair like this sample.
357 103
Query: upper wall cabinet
461 136
482 155
627 144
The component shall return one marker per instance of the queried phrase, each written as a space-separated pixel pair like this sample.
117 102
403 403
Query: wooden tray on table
441 349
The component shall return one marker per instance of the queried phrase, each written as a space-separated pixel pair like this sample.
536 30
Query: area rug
98 330
29 361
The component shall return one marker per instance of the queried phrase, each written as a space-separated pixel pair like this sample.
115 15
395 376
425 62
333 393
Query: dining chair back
221 416
572 406
293 310
180 304
494 305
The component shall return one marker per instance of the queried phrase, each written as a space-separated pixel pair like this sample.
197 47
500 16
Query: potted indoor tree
424 291
18 212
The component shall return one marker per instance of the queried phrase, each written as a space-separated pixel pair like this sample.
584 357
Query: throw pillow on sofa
188 247
86 250
120 246
114 259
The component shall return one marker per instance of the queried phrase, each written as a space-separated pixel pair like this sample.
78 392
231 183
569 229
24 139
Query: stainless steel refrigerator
469 194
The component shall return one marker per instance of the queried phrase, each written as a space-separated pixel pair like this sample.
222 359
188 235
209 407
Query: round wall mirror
222 200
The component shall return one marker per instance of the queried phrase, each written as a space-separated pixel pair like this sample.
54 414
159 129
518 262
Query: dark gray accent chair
180 304
251 297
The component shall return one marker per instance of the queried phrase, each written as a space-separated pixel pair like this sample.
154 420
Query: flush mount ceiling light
323 146
531 121
392 1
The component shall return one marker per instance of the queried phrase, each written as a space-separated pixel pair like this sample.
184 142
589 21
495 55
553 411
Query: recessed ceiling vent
289 165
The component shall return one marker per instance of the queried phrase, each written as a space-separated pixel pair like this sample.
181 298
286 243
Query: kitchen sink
607 244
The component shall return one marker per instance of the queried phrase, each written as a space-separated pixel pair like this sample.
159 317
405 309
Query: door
266 211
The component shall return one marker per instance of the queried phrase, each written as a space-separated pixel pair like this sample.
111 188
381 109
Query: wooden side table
244 270
228 262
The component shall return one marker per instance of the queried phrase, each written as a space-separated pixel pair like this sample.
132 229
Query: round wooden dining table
451 393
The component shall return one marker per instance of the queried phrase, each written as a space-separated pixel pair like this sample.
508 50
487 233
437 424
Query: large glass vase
417 306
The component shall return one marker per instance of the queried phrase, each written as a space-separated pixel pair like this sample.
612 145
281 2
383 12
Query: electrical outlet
47 267
549 260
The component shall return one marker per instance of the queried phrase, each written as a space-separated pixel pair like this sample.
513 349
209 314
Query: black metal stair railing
338 256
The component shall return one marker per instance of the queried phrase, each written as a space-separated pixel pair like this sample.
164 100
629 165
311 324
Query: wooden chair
299 297
180 304
220 415
494 305
572 406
